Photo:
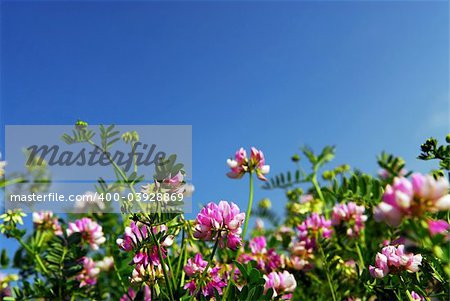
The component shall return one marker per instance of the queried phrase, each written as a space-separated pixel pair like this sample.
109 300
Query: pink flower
437 227
266 260
89 274
214 281
352 215
106 264
416 297
412 198
257 163
195 266
131 294
314 224
91 232
221 222
137 239
283 284
394 259
44 220
241 164
381 268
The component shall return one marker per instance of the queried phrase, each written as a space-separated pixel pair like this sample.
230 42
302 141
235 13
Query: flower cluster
91 231
89 274
283 284
393 260
137 239
266 260
412 198
314 225
44 220
350 214
214 280
241 164
222 222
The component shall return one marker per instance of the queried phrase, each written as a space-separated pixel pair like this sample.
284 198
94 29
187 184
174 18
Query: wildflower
13 216
257 163
221 222
437 227
147 273
131 294
352 215
213 280
90 230
416 297
283 284
89 274
137 239
106 264
10 220
311 227
266 260
241 164
412 198
44 220
393 260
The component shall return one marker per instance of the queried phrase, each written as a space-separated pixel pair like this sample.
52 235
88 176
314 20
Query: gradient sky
364 76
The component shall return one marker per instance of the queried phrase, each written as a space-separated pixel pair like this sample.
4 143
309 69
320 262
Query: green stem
325 263
205 271
361 259
34 254
317 187
249 208
244 232
161 259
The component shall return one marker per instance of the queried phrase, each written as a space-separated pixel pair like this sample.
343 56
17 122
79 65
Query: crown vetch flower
266 260
437 227
394 260
257 163
221 222
90 230
89 274
412 198
283 284
214 279
137 239
44 220
241 164
313 225
350 214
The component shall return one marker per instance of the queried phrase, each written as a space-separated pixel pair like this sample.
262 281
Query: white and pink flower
91 231
221 222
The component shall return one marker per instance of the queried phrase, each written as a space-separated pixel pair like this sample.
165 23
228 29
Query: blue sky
364 76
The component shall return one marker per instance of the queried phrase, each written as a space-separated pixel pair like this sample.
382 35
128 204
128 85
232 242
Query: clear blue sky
364 76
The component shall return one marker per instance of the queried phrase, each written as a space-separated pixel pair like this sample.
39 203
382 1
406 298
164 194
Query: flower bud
265 204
